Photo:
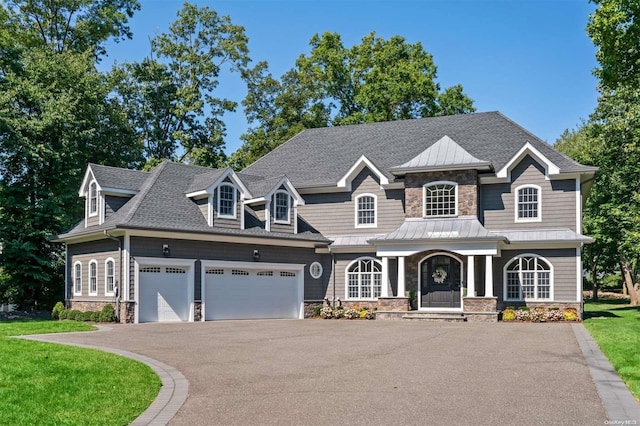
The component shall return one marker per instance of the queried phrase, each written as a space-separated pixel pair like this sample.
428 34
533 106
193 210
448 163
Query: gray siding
223 222
334 213
314 289
564 266
91 220
113 203
558 200
282 227
203 205
342 261
99 251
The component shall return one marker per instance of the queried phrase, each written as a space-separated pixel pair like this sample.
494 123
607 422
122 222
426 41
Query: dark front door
440 282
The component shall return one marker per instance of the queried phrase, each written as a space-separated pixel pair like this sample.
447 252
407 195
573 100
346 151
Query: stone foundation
197 311
480 309
86 306
393 304
310 305
369 305
127 312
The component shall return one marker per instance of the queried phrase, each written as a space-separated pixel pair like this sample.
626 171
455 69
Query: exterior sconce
165 250
256 255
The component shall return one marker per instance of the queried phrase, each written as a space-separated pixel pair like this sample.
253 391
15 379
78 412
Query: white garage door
163 293
242 293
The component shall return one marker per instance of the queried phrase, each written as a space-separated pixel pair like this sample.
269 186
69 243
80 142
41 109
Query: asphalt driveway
314 372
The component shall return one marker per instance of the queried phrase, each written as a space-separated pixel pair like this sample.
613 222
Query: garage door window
287 274
176 271
214 271
150 270
265 273
239 272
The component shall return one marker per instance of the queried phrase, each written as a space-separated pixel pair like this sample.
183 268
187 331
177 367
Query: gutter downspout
119 284
333 261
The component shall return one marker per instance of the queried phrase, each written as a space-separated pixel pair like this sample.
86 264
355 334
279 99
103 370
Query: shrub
537 315
522 314
339 313
73 314
95 316
363 313
55 313
85 316
509 314
370 315
326 312
63 314
352 313
316 310
553 314
570 314
108 314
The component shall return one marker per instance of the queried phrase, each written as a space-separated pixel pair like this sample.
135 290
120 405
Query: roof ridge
144 190
116 168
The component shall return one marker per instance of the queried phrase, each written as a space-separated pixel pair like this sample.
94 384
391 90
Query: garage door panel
250 294
163 294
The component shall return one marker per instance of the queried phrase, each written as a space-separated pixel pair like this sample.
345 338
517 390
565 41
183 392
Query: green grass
46 383
615 326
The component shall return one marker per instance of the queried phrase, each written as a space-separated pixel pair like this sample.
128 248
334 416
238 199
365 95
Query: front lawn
46 383
615 326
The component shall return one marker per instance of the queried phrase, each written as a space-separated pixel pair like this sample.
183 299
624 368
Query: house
468 213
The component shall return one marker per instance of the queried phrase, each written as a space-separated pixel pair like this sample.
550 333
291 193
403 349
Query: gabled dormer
275 203
220 195
106 189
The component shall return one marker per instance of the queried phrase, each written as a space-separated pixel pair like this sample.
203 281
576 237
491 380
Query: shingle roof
161 204
204 180
115 177
319 157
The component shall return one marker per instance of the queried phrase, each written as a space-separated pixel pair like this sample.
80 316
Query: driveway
314 372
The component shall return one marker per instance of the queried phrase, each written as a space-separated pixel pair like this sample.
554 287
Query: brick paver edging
174 390
620 405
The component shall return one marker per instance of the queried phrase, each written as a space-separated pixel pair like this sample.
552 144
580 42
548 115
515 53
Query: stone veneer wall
197 311
467 181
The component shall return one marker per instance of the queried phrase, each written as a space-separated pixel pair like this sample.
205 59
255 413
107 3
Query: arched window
227 201
281 208
528 203
366 216
93 278
109 277
364 279
77 279
528 277
93 198
440 199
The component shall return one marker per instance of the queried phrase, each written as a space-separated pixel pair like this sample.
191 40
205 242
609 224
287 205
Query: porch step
435 316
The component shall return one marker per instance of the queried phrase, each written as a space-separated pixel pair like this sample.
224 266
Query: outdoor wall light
256 255
165 250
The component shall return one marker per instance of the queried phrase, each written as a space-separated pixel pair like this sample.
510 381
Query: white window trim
424 198
346 278
106 292
93 213
93 262
529 299
375 211
275 207
235 202
516 202
77 293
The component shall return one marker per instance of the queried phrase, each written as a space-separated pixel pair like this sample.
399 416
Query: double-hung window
93 199
93 278
77 279
528 203
109 277
366 216
282 206
227 201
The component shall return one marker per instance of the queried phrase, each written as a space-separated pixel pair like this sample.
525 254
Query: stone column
488 276
384 291
400 277
471 277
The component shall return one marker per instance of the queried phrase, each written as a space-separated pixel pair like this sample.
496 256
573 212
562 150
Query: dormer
106 189
275 202
220 195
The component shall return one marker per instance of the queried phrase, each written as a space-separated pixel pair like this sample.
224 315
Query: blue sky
531 60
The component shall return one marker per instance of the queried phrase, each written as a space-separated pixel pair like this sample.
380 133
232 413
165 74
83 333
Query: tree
55 116
170 96
376 80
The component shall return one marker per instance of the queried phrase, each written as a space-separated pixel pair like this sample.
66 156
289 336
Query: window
315 270
440 199
528 204
109 277
77 279
93 199
528 277
93 278
282 200
227 201
366 211
364 279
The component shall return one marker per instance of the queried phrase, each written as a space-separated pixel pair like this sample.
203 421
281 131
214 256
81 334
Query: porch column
488 276
384 291
400 276
471 277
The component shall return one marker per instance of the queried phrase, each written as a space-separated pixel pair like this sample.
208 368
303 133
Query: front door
440 282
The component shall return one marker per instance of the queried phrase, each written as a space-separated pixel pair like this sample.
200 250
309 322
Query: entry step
434 316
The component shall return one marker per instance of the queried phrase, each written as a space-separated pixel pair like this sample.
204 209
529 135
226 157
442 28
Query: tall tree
55 116
615 129
376 80
170 96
